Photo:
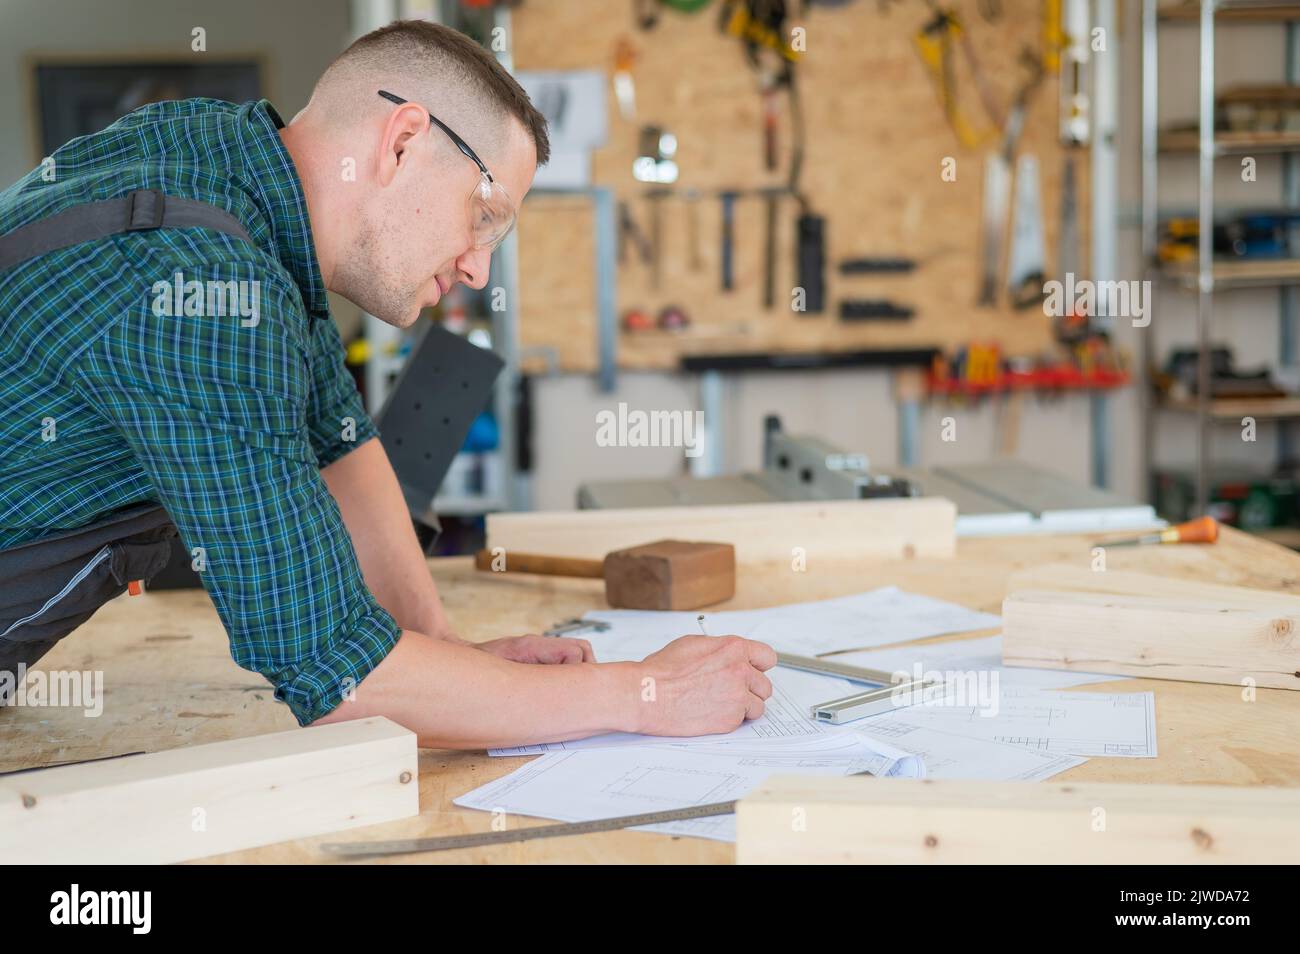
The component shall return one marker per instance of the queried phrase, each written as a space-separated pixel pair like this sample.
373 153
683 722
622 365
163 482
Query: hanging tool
934 43
1075 109
1200 530
1054 40
656 197
624 88
771 201
771 112
811 257
1069 326
693 255
673 318
630 232
634 319
869 265
408 846
874 309
728 199
760 25
1026 271
656 156
997 191
997 180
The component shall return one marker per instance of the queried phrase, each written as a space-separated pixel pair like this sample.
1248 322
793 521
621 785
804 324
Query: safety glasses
491 213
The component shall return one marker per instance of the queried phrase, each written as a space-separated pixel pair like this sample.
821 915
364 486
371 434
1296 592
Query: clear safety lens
492 214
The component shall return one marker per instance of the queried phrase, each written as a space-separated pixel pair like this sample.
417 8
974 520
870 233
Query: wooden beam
760 532
800 819
1064 576
210 799
1154 637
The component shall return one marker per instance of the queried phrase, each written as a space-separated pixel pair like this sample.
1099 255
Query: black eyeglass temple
461 144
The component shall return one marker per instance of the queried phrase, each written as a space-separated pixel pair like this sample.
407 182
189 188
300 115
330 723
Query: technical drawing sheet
1116 724
875 618
589 784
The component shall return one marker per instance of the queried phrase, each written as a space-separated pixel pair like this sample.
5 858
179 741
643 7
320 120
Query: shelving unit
1204 276
1234 409
1245 274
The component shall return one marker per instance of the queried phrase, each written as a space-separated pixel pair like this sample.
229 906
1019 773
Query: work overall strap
137 211
50 586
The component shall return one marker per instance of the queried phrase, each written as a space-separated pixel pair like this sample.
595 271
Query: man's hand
540 649
702 685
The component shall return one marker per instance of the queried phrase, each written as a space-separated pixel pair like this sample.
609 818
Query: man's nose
475 266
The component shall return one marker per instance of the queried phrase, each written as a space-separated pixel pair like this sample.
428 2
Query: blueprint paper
876 618
589 784
1118 724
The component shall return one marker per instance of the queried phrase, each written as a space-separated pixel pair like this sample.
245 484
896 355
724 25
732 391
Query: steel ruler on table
407 846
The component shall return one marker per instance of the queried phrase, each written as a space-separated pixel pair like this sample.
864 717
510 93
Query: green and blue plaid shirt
225 420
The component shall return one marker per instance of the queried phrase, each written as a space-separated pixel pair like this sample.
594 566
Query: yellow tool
935 42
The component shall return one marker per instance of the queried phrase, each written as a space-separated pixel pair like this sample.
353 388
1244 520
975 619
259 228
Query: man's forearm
456 697
374 511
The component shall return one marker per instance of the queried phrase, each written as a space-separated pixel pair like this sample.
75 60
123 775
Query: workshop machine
992 498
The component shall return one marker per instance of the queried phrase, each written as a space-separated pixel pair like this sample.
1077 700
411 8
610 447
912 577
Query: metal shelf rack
1205 276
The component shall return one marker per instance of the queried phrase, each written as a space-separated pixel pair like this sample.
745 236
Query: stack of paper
1018 727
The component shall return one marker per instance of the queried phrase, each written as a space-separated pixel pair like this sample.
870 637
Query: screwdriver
1200 530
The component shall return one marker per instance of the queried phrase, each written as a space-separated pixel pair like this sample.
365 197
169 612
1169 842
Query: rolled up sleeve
217 416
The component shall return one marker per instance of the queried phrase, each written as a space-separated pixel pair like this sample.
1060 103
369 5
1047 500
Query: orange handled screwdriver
1200 530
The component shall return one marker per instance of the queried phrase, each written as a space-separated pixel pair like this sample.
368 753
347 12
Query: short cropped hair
450 54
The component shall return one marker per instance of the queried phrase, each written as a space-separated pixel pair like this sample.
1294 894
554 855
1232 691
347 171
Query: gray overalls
50 586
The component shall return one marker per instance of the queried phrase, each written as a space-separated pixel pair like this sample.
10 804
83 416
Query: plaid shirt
116 392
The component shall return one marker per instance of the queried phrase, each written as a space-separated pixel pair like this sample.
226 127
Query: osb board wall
876 139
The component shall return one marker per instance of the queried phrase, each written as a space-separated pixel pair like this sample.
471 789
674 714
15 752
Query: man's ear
401 134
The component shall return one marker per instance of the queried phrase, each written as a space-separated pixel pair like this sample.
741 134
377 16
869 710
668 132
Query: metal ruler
407 846
828 667
885 694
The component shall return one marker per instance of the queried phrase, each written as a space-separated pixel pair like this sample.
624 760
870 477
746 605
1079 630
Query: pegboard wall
876 141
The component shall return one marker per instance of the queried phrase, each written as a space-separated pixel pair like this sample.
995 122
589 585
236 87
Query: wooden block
1063 576
800 819
761 532
1153 637
209 799
670 575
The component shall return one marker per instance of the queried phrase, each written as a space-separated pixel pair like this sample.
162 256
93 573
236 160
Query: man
187 359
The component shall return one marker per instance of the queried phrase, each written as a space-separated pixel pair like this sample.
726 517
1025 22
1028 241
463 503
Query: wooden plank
207 799
859 820
1156 637
1064 576
824 530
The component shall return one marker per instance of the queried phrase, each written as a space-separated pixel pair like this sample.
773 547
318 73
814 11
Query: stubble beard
362 279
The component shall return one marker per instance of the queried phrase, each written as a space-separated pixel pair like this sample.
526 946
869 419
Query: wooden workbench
169 681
